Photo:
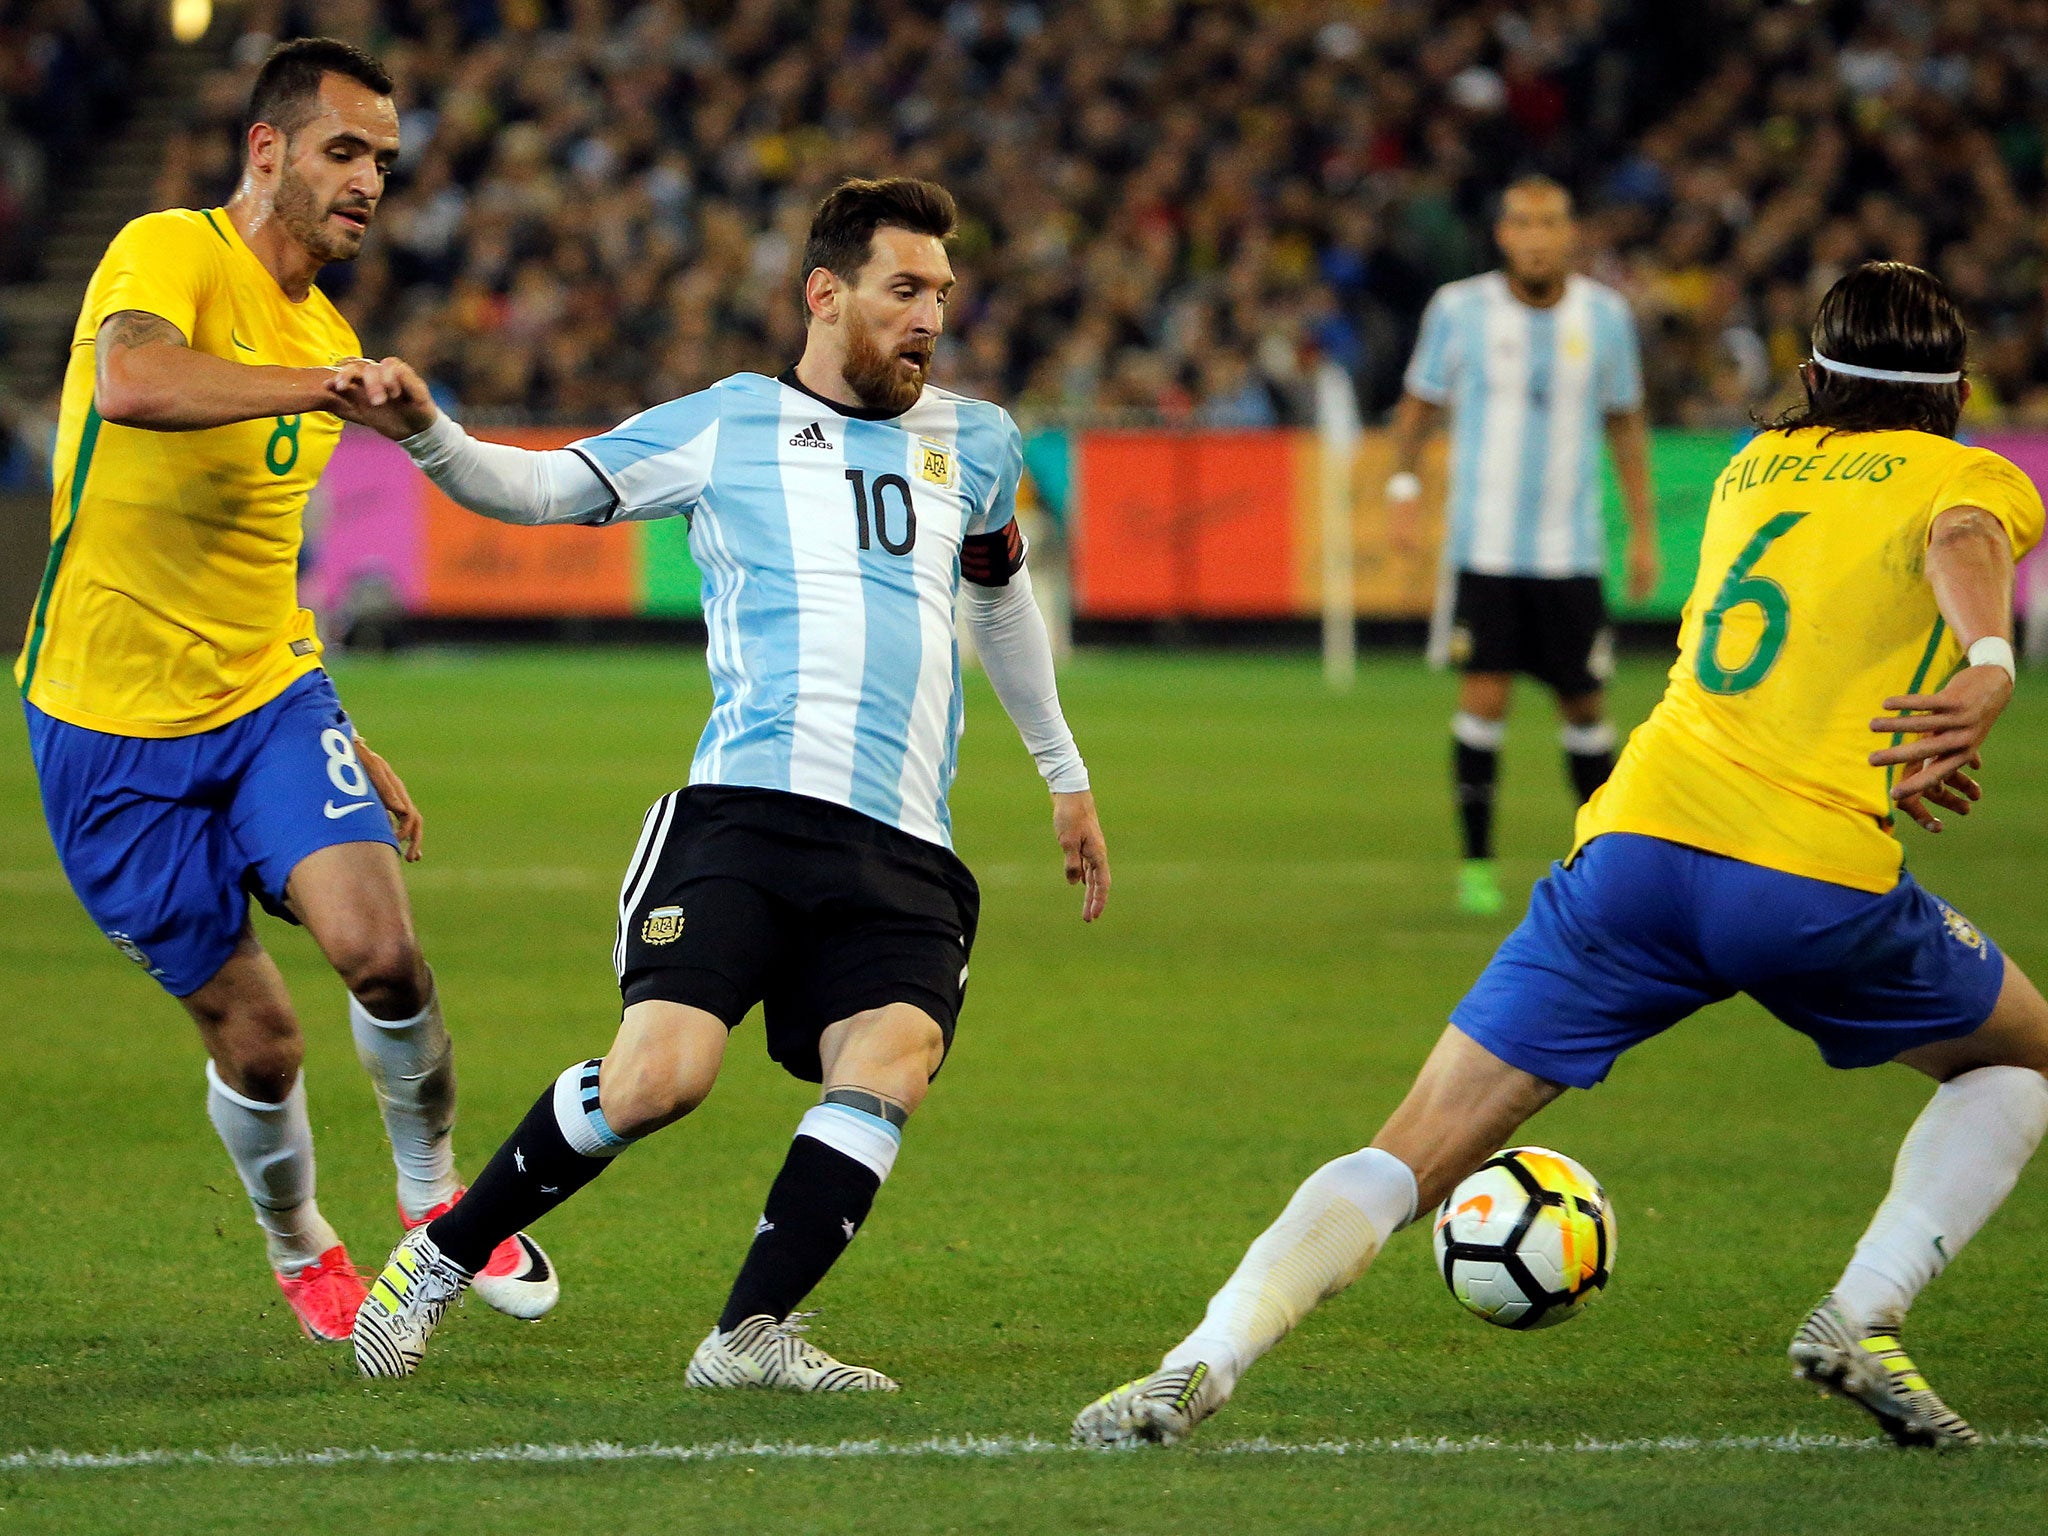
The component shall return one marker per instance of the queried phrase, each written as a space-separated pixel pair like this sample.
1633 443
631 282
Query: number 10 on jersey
878 499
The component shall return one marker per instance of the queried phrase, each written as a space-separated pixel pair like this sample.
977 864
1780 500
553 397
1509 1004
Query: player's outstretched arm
1016 652
494 480
146 375
1970 568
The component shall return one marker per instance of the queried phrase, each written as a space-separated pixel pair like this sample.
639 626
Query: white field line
958 1448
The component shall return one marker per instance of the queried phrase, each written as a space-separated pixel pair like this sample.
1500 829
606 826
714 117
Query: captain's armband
991 559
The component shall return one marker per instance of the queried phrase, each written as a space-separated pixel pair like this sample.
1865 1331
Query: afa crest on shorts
663 925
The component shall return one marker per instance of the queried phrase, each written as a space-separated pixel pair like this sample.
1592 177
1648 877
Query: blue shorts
165 839
1637 933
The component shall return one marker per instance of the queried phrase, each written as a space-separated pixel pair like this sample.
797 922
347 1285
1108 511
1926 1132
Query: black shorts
743 896
1554 628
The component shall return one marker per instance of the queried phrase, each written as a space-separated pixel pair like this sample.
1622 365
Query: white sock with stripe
1957 1164
1324 1240
272 1149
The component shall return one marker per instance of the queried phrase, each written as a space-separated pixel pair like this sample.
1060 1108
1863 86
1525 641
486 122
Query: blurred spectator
65 74
1169 208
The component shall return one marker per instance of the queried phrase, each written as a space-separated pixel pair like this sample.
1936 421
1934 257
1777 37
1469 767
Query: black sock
532 1173
1589 771
1474 771
818 1201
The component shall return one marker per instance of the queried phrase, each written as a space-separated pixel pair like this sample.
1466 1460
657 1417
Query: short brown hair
287 86
843 230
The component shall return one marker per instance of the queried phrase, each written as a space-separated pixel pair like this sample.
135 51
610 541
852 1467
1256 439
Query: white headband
1886 375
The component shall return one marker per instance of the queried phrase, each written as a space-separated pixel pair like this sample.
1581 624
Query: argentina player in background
1533 364
808 864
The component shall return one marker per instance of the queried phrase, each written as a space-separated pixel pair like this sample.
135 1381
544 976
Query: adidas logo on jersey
812 436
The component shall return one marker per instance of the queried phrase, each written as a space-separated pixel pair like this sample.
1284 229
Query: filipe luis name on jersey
1746 472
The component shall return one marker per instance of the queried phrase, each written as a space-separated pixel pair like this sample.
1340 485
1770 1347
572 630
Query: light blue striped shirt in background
1529 392
830 547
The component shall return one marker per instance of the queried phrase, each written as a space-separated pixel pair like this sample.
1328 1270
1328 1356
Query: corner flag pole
1337 429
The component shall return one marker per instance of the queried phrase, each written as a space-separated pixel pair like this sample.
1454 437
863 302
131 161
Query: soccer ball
1528 1240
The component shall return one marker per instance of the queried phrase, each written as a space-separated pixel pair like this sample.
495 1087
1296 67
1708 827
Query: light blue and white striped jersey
1529 391
829 540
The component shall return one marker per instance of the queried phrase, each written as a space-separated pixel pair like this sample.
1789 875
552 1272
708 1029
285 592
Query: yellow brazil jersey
1811 608
170 601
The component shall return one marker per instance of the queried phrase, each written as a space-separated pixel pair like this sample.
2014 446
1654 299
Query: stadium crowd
1171 209
66 69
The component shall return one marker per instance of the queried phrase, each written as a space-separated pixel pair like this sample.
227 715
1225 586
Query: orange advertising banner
1230 525
481 569
1186 524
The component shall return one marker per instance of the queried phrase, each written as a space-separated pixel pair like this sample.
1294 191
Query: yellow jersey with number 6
1811 609
169 604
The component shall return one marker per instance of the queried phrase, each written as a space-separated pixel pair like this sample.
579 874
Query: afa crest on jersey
664 925
934 462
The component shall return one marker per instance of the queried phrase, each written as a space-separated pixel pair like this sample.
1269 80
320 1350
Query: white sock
1958 1163
1322 1242
412 1067
272 1148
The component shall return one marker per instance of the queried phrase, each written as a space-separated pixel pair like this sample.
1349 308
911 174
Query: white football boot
404 1306
1160 1409
1870 1368
761 1352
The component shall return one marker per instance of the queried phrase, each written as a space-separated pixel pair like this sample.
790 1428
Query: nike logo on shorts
336 812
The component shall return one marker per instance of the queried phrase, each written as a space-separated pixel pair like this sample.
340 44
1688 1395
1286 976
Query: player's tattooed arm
136 328
147 374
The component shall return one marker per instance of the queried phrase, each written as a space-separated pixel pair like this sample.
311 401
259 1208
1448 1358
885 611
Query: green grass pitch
1126 1107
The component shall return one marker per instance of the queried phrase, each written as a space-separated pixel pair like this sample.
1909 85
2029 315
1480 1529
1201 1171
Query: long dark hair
1884 314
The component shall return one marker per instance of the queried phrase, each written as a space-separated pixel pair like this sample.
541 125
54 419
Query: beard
878 377
300 211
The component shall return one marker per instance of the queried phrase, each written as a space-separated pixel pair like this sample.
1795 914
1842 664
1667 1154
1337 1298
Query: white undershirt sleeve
1016 652
510 485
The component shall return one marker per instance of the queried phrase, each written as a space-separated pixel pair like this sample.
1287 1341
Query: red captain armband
991 559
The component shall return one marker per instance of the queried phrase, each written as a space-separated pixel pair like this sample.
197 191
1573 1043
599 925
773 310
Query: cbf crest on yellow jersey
1811 608
169 604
